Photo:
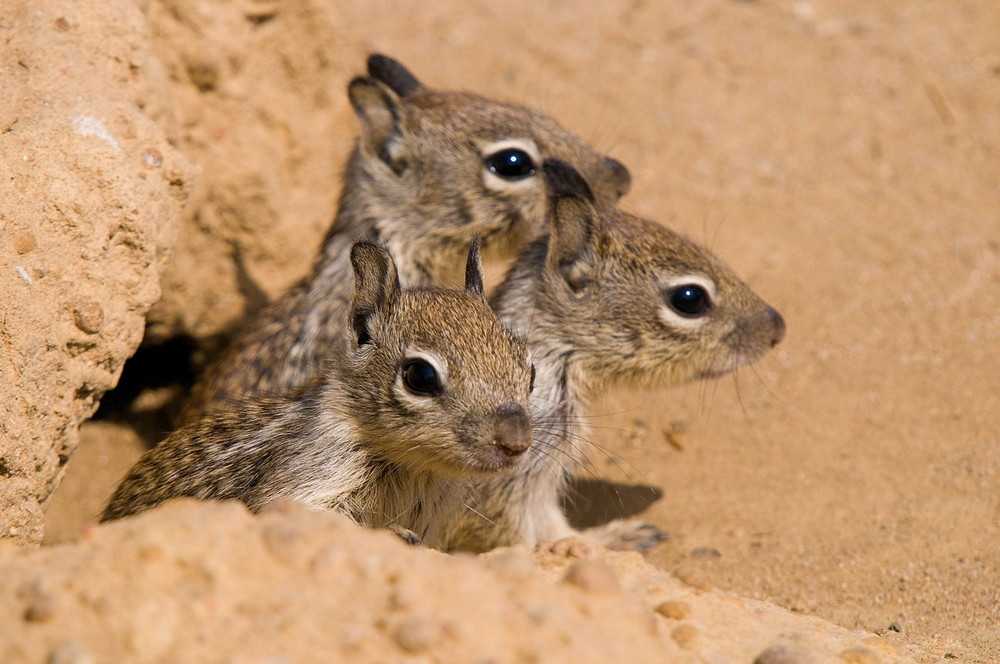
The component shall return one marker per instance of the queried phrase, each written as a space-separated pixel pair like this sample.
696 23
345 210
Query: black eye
511 164
689 300
531 385
421 378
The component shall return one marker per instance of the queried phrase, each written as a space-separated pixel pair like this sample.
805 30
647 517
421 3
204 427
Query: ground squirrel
608 299
431 170
423 390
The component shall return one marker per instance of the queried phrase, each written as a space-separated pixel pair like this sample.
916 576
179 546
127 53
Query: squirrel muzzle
513 430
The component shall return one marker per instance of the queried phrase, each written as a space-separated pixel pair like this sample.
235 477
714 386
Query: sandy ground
844 158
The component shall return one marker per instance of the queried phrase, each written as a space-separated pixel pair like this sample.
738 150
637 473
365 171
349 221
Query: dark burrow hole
152 388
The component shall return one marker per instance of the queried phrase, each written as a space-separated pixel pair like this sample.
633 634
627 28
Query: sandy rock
84 229
674 610
694 577
592 576
208 582
256 98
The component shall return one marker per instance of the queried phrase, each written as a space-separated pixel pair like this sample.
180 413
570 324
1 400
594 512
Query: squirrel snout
779 326
513 430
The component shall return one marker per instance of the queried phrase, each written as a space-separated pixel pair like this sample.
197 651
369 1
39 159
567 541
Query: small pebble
24 242
41 606
784 654
674 610
686 636
414 634
694 577
89 317
62 25
638 434
70 652
152 157
592 576
674 436
203 73
706 553
860 655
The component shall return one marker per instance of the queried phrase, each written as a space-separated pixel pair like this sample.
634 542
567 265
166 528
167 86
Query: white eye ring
675 319
407 395
496 181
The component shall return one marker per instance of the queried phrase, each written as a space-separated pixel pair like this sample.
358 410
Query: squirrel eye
511 164
421 378
689 300
531 385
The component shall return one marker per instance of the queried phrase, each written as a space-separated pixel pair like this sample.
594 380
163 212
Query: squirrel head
440 384
635 302
451 166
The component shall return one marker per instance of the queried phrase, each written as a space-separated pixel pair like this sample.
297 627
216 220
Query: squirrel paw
567 547
629 535
406 535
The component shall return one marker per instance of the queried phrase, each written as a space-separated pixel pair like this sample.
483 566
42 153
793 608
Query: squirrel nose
513 432
779 326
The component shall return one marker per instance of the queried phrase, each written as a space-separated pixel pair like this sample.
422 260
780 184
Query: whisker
585 460
725 217
547 457
739 395
760 380
479 514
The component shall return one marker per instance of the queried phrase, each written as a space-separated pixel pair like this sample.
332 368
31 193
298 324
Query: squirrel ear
474 271
392 72
564 180
573 222
378 108
618 176
375 285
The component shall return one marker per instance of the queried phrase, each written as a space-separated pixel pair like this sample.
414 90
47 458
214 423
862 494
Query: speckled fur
588 299
354 440
415 184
